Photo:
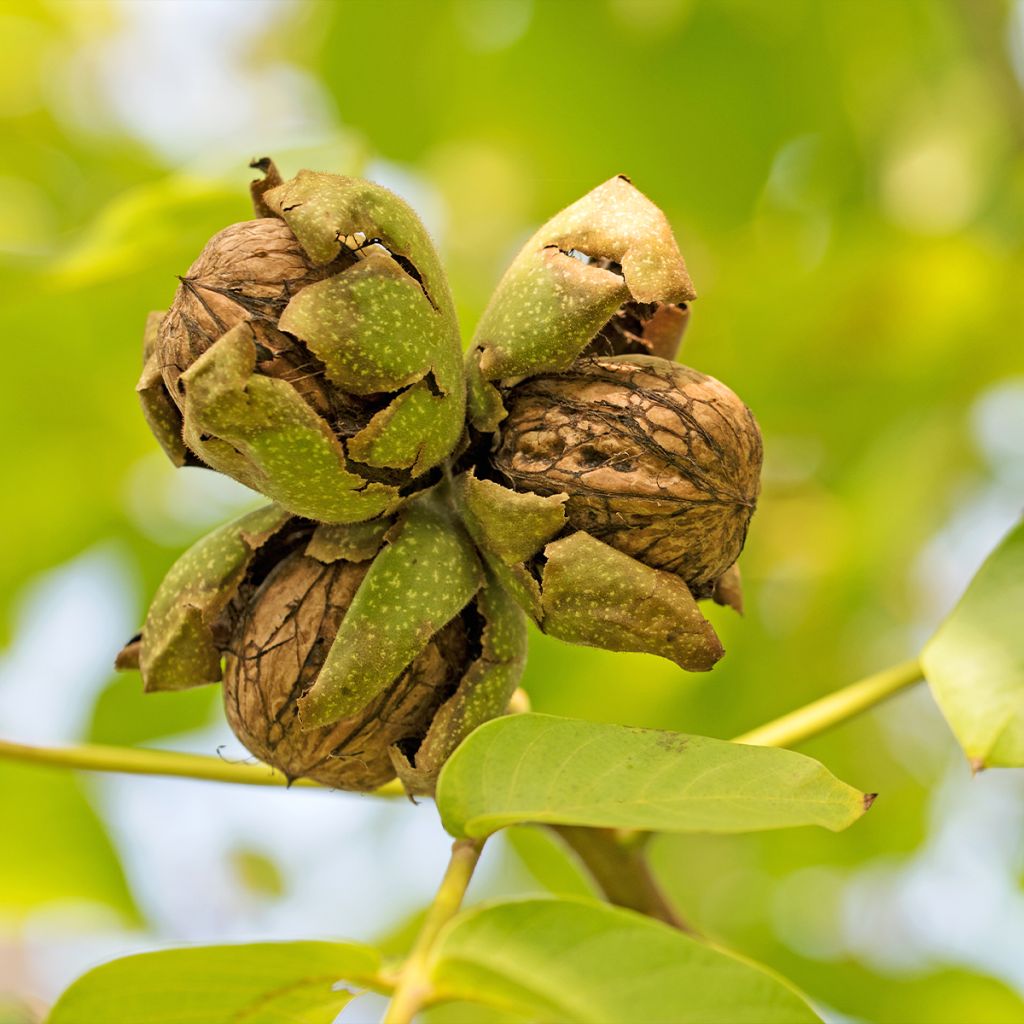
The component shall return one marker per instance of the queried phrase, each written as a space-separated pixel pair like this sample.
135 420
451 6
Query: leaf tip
977 765
869 799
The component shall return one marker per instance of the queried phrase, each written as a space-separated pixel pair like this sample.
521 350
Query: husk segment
260 431
162 415
483 692
607 263
178 647
576 587
424 576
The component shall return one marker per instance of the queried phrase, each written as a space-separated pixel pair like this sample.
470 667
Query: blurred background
846 180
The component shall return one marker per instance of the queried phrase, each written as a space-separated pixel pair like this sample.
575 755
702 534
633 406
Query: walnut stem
414 989
619 866
820 715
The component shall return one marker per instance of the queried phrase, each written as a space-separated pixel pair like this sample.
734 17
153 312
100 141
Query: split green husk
373 615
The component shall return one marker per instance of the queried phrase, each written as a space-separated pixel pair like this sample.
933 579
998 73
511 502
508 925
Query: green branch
821 715
616 860
136 761
414 989
787 731
619 867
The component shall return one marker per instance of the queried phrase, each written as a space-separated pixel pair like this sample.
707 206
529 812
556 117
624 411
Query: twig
620 869
789 730
821 715
414 989
136 761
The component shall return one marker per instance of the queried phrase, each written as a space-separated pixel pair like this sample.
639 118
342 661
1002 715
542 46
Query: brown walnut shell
279 642
248 272
658 460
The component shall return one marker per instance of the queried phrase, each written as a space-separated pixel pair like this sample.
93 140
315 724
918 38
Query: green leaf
975 661
573 960
561 771
263 983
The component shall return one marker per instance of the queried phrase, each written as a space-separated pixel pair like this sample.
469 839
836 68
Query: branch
136 761
788 730
413 989
616 859
620 869
814 719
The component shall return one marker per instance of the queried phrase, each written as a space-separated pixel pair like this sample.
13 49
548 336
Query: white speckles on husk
424 576
498 631
604 276
598 596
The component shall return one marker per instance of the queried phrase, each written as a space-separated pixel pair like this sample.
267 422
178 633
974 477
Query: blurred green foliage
847 184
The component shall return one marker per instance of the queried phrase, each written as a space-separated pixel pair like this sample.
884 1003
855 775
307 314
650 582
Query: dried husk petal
162 415
179 646
323 210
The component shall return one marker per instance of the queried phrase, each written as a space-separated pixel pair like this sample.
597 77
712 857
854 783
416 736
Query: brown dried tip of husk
248 271
642 328
658 460
278 646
